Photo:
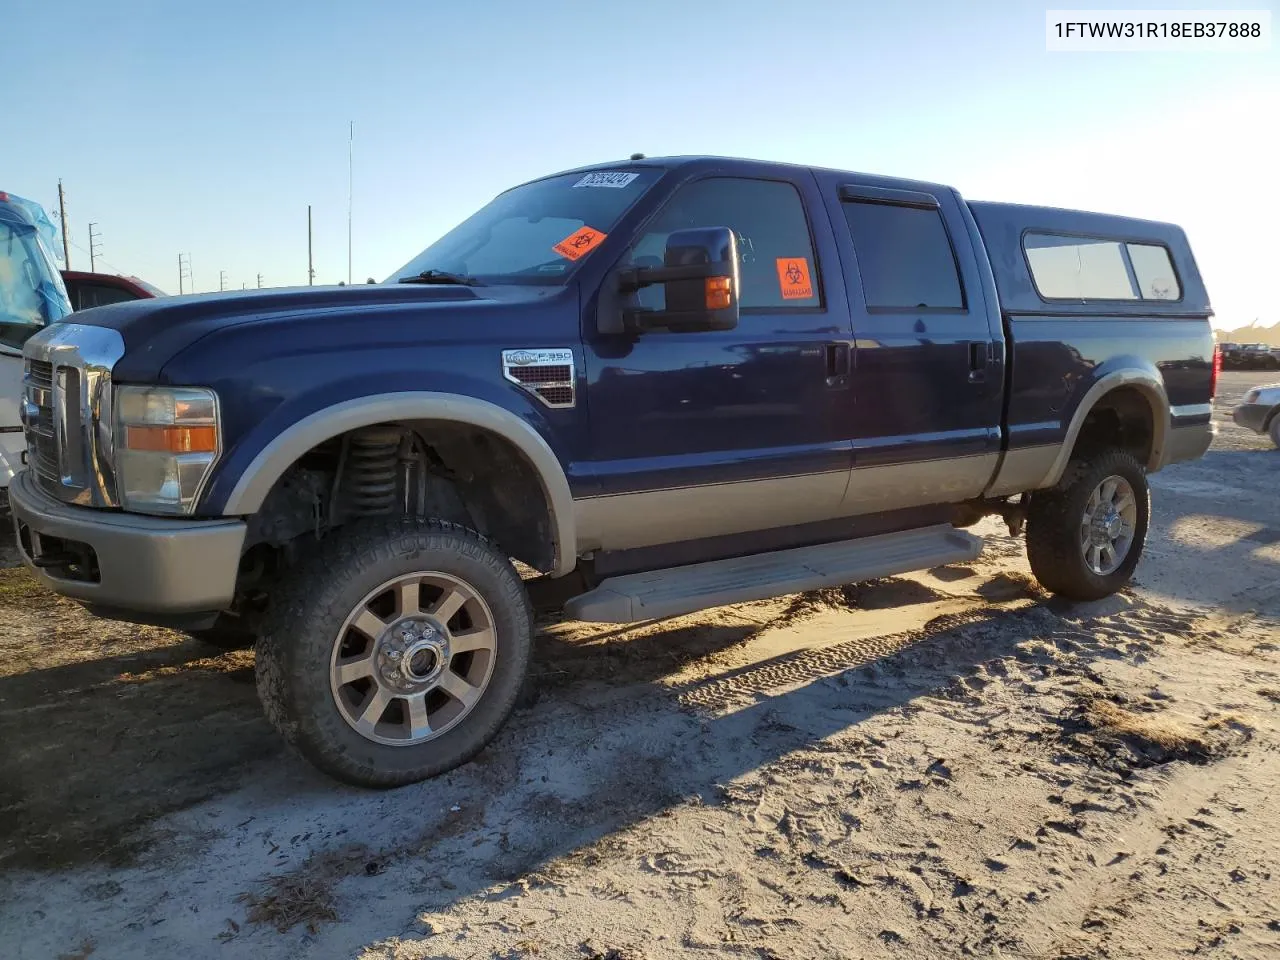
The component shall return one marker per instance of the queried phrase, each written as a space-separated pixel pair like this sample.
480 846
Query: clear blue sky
207 128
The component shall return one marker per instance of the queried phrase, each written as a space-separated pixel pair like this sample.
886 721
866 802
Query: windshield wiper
442 276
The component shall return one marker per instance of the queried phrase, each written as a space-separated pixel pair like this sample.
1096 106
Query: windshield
535 233
31 289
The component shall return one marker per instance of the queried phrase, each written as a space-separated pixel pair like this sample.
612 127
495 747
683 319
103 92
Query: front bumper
150 569
1253 416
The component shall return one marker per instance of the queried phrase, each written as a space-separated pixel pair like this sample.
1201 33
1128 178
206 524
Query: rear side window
1094 268
777 268
904 256
1154 272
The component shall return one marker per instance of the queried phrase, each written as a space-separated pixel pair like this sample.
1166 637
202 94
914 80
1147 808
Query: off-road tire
308 609
1053 527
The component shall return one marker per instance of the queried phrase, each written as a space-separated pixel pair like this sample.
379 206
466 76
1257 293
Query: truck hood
155 330
141 321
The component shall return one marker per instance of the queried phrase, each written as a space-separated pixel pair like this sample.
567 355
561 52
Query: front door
705 434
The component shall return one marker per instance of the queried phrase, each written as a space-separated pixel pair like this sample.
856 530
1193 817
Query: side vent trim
547 374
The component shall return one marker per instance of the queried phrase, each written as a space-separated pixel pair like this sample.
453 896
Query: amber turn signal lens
172 439
719 293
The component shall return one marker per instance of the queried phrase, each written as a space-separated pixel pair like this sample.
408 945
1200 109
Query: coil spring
370 480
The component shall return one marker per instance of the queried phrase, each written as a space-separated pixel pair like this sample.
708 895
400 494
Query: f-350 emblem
547 374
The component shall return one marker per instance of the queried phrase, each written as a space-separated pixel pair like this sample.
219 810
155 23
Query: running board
680 590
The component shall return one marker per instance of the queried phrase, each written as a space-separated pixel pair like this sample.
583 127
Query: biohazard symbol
579 243
793 278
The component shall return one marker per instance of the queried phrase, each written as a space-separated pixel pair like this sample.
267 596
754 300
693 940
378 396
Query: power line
184 272
106 263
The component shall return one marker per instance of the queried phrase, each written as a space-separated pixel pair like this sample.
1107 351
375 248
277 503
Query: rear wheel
1085 536
397 653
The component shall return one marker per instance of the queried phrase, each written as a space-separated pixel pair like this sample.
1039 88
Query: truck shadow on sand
561 784
102 748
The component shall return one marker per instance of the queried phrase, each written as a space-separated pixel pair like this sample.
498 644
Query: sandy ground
938 765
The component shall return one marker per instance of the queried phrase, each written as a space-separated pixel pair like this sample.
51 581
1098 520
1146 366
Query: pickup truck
661 384
89 290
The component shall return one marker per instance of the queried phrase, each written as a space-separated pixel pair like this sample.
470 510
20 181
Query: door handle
978 353
837 365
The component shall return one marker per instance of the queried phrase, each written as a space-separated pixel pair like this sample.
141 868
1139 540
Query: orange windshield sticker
793 278
579 243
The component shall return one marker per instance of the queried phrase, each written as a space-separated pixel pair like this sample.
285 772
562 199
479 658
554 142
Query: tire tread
310 596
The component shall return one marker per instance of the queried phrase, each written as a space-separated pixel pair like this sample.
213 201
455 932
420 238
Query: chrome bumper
1252 416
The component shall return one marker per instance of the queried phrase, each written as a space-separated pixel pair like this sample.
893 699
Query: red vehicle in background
88 290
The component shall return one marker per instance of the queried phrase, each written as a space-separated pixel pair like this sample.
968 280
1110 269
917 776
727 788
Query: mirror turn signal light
171 439
719 292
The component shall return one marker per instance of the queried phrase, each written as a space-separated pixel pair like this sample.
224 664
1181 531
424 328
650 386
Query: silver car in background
1259 411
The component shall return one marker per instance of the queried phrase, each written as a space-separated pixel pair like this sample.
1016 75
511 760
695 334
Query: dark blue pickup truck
663 384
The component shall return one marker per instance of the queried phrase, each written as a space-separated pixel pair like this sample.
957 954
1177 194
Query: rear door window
904 256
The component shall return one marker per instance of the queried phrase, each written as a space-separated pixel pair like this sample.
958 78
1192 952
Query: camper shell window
1097 268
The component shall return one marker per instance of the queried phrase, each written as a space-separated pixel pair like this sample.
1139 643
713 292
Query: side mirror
700 277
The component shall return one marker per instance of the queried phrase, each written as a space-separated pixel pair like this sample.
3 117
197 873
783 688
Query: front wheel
397 652
1274 430
1085 536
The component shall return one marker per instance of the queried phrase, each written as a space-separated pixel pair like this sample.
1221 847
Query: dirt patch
83 952
1145 739
305 896
98 742
1011 586
20 590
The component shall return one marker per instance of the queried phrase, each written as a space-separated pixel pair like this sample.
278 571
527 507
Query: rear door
926 380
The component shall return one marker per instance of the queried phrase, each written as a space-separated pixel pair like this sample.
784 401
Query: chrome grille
42 437
66 411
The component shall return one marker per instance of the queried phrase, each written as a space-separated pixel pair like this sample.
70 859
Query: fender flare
283 451
1151 387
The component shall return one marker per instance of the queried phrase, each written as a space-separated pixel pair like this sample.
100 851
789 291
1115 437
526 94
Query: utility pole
184 272
222 280
351 134
311 268
94 245
259 281
62 211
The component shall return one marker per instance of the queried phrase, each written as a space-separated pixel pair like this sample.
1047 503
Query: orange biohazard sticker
793 278
579 243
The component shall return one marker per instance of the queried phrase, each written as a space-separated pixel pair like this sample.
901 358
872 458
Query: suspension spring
370 479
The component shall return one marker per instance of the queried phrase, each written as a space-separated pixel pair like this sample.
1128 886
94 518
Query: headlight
166 442
1251 396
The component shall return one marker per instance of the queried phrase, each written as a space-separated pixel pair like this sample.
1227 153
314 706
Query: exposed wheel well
1122 418
499 487
446 470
